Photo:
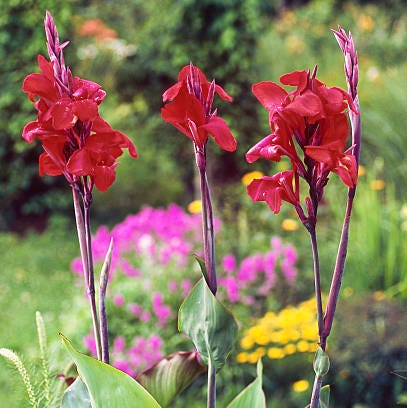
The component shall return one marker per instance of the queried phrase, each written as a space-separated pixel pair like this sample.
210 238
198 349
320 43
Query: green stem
211 397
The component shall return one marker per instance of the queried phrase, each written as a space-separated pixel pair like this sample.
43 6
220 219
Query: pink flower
90 344
145 316
119 344
118 300
229 263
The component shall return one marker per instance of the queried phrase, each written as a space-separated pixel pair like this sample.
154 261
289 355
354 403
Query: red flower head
76 140
189 109
273 190
310 127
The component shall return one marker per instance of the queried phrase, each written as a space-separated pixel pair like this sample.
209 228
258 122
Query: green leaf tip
109 387
253 395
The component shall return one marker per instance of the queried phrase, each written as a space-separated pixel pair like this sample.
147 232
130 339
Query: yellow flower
361 170
379 295
300 386
275 352
289 349
195 207
289 224
347 292
365 23
303 346
377 185
246 343
242 357
249 177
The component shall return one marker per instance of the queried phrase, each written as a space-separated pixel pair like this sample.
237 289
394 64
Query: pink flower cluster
142 354
162 235
257 274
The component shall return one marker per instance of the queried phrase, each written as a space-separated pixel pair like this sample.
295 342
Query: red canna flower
310 127
189 109
77 142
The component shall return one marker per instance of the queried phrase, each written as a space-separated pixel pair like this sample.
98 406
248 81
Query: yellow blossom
365 23
303 346
195 207
377 184
361 170
289 224
246 342
347 292
249 177
300 386
242 357
289 349
379 295
275 353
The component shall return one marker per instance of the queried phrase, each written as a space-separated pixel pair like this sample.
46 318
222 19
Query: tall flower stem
317 280
207 221
83 227
316 389
211 398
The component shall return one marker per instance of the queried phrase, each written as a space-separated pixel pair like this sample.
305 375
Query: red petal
223 94
220 131
269 94
86 109
61 114
80 163
307 104
171 92
104 177
47 166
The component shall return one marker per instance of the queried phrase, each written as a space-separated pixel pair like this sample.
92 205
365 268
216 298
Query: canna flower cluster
309 126
190 109
77 142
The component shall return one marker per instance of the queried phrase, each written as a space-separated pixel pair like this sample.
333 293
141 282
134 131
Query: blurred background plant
135 49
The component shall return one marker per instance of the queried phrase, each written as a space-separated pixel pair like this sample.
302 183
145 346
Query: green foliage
367 349
168 378
210 326
76 396
252 395
107 386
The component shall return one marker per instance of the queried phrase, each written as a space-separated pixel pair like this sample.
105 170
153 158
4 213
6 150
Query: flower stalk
85 245
351 72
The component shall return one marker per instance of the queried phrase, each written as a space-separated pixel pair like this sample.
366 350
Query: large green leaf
210 326
107 386
171 375
76 396
252 396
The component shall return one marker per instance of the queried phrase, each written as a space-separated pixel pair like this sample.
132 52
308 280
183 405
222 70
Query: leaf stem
104 279
211 397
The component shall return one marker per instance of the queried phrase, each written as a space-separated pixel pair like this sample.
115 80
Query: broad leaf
76 396
107 386
210 326
252 396
165 380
